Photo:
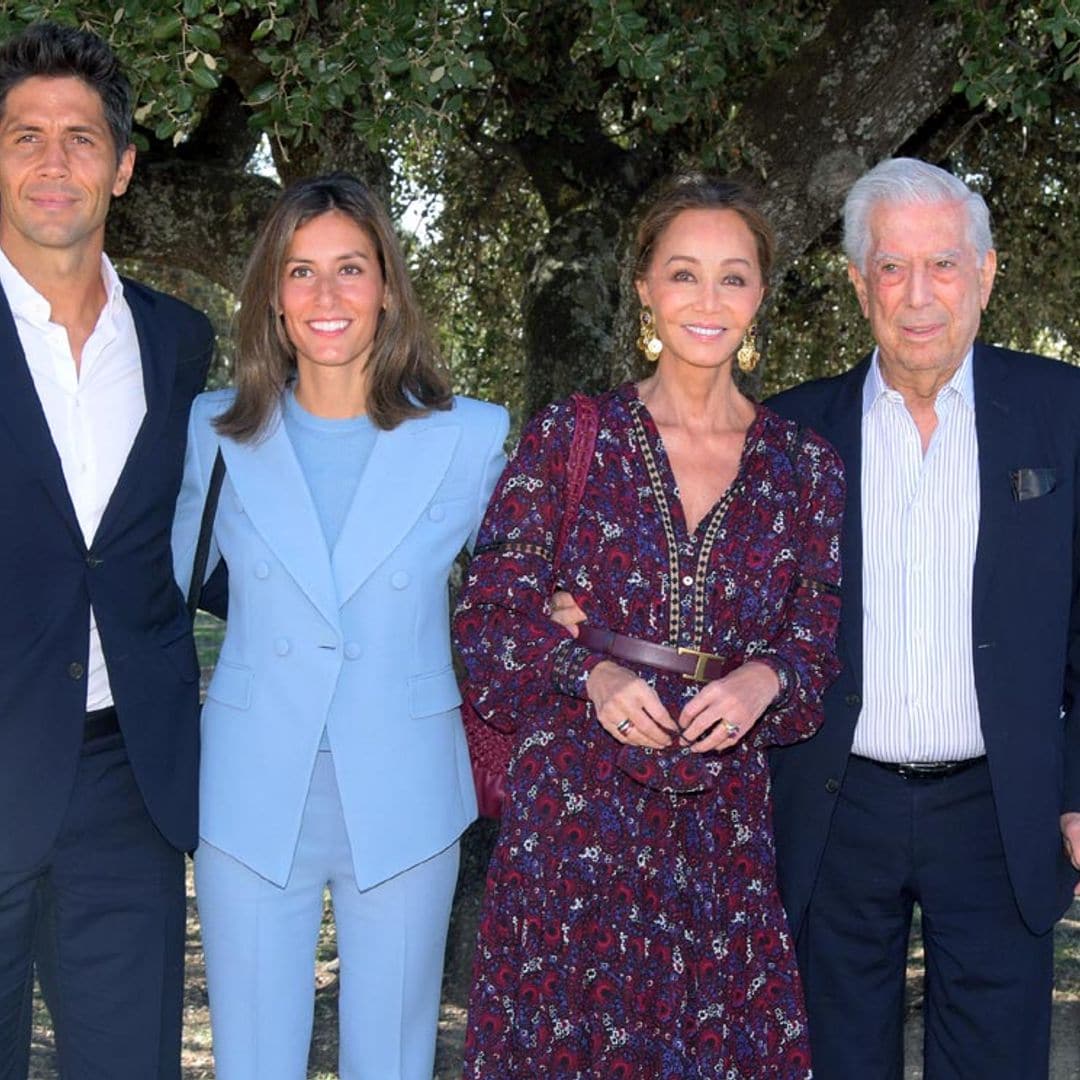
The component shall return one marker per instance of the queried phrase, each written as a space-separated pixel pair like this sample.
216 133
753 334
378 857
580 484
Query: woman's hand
565 611
723 711
628 708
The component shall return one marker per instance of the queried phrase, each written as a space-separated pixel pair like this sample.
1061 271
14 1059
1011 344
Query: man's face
58 167
923 290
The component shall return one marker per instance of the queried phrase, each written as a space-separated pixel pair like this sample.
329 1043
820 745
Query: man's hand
1070 836
565 612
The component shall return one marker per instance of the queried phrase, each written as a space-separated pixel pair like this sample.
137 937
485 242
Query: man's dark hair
54 51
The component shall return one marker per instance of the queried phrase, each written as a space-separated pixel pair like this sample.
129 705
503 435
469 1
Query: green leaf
192 8
204 78
262 93
204 39
166 28
262 29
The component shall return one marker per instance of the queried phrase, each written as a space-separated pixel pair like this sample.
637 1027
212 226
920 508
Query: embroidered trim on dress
517 547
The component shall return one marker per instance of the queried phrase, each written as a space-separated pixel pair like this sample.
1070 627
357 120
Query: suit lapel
24 418
404 470
157 355
843 419
996 429
267 478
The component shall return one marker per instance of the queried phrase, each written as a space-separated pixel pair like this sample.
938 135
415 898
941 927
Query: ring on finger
624 726
731 728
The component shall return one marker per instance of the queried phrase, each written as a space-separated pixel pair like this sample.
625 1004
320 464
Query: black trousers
895 842
103 919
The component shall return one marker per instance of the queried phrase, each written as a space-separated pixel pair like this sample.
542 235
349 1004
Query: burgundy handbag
490 747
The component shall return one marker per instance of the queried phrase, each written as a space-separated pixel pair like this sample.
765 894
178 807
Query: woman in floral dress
632 928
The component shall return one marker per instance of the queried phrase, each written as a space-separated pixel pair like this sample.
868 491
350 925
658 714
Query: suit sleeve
189 508
1071 698
494 463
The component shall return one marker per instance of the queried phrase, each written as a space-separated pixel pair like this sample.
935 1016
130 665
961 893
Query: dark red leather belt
690 663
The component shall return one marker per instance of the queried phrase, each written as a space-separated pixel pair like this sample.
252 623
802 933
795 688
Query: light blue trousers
259 940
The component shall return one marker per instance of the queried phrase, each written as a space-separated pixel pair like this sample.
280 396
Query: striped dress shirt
920 524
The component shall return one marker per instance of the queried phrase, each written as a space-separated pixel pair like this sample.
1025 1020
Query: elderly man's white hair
905 181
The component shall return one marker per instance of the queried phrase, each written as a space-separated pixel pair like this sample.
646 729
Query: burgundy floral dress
632 928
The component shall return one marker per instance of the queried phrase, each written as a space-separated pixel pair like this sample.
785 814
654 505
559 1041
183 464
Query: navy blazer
1025 621
49 578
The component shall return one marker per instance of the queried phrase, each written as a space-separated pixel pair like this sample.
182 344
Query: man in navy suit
947 772
98 674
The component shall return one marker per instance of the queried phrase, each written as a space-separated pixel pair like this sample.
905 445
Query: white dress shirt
93 413
920 525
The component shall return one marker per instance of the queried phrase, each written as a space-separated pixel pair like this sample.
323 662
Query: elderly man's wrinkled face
923 290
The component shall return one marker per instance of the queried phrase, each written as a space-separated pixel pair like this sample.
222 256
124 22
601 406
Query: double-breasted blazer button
76 670
853 700
832 786
399 579
262 570
282 646
353 650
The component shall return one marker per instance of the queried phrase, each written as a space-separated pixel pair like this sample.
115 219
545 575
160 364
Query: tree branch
847 99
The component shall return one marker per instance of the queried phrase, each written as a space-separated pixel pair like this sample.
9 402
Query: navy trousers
103 918
895 842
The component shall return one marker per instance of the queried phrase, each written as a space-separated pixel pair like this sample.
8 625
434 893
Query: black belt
100 724
924 770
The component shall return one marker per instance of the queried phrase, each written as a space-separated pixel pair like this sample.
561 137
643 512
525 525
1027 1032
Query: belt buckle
926 770
698 674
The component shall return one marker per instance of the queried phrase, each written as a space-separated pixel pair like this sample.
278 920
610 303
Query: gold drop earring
649 344
748 356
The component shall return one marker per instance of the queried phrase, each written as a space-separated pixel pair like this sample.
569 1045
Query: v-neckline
671 486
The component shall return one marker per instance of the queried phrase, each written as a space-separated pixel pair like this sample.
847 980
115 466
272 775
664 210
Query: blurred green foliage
499 116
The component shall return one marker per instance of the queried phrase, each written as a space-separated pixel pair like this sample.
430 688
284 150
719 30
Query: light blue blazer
356 640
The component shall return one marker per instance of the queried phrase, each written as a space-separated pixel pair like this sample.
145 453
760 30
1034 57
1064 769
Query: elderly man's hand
1070 835
565 611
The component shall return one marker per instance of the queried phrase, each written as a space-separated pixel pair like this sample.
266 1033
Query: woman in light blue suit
332 748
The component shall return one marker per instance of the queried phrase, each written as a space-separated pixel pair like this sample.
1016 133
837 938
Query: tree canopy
530 128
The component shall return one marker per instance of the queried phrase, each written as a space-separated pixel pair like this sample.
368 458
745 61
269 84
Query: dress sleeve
512 651
803 652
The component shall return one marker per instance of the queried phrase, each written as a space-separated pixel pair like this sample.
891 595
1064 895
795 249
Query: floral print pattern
631 926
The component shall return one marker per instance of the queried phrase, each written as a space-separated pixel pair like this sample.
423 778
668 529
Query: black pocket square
1031 483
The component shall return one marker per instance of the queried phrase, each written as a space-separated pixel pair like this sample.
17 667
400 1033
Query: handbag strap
586 426
206 529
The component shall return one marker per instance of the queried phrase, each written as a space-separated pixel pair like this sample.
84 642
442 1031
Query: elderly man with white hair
947 773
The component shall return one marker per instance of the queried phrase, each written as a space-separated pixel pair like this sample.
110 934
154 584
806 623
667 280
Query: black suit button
76 670
832 786
93 561
853 700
